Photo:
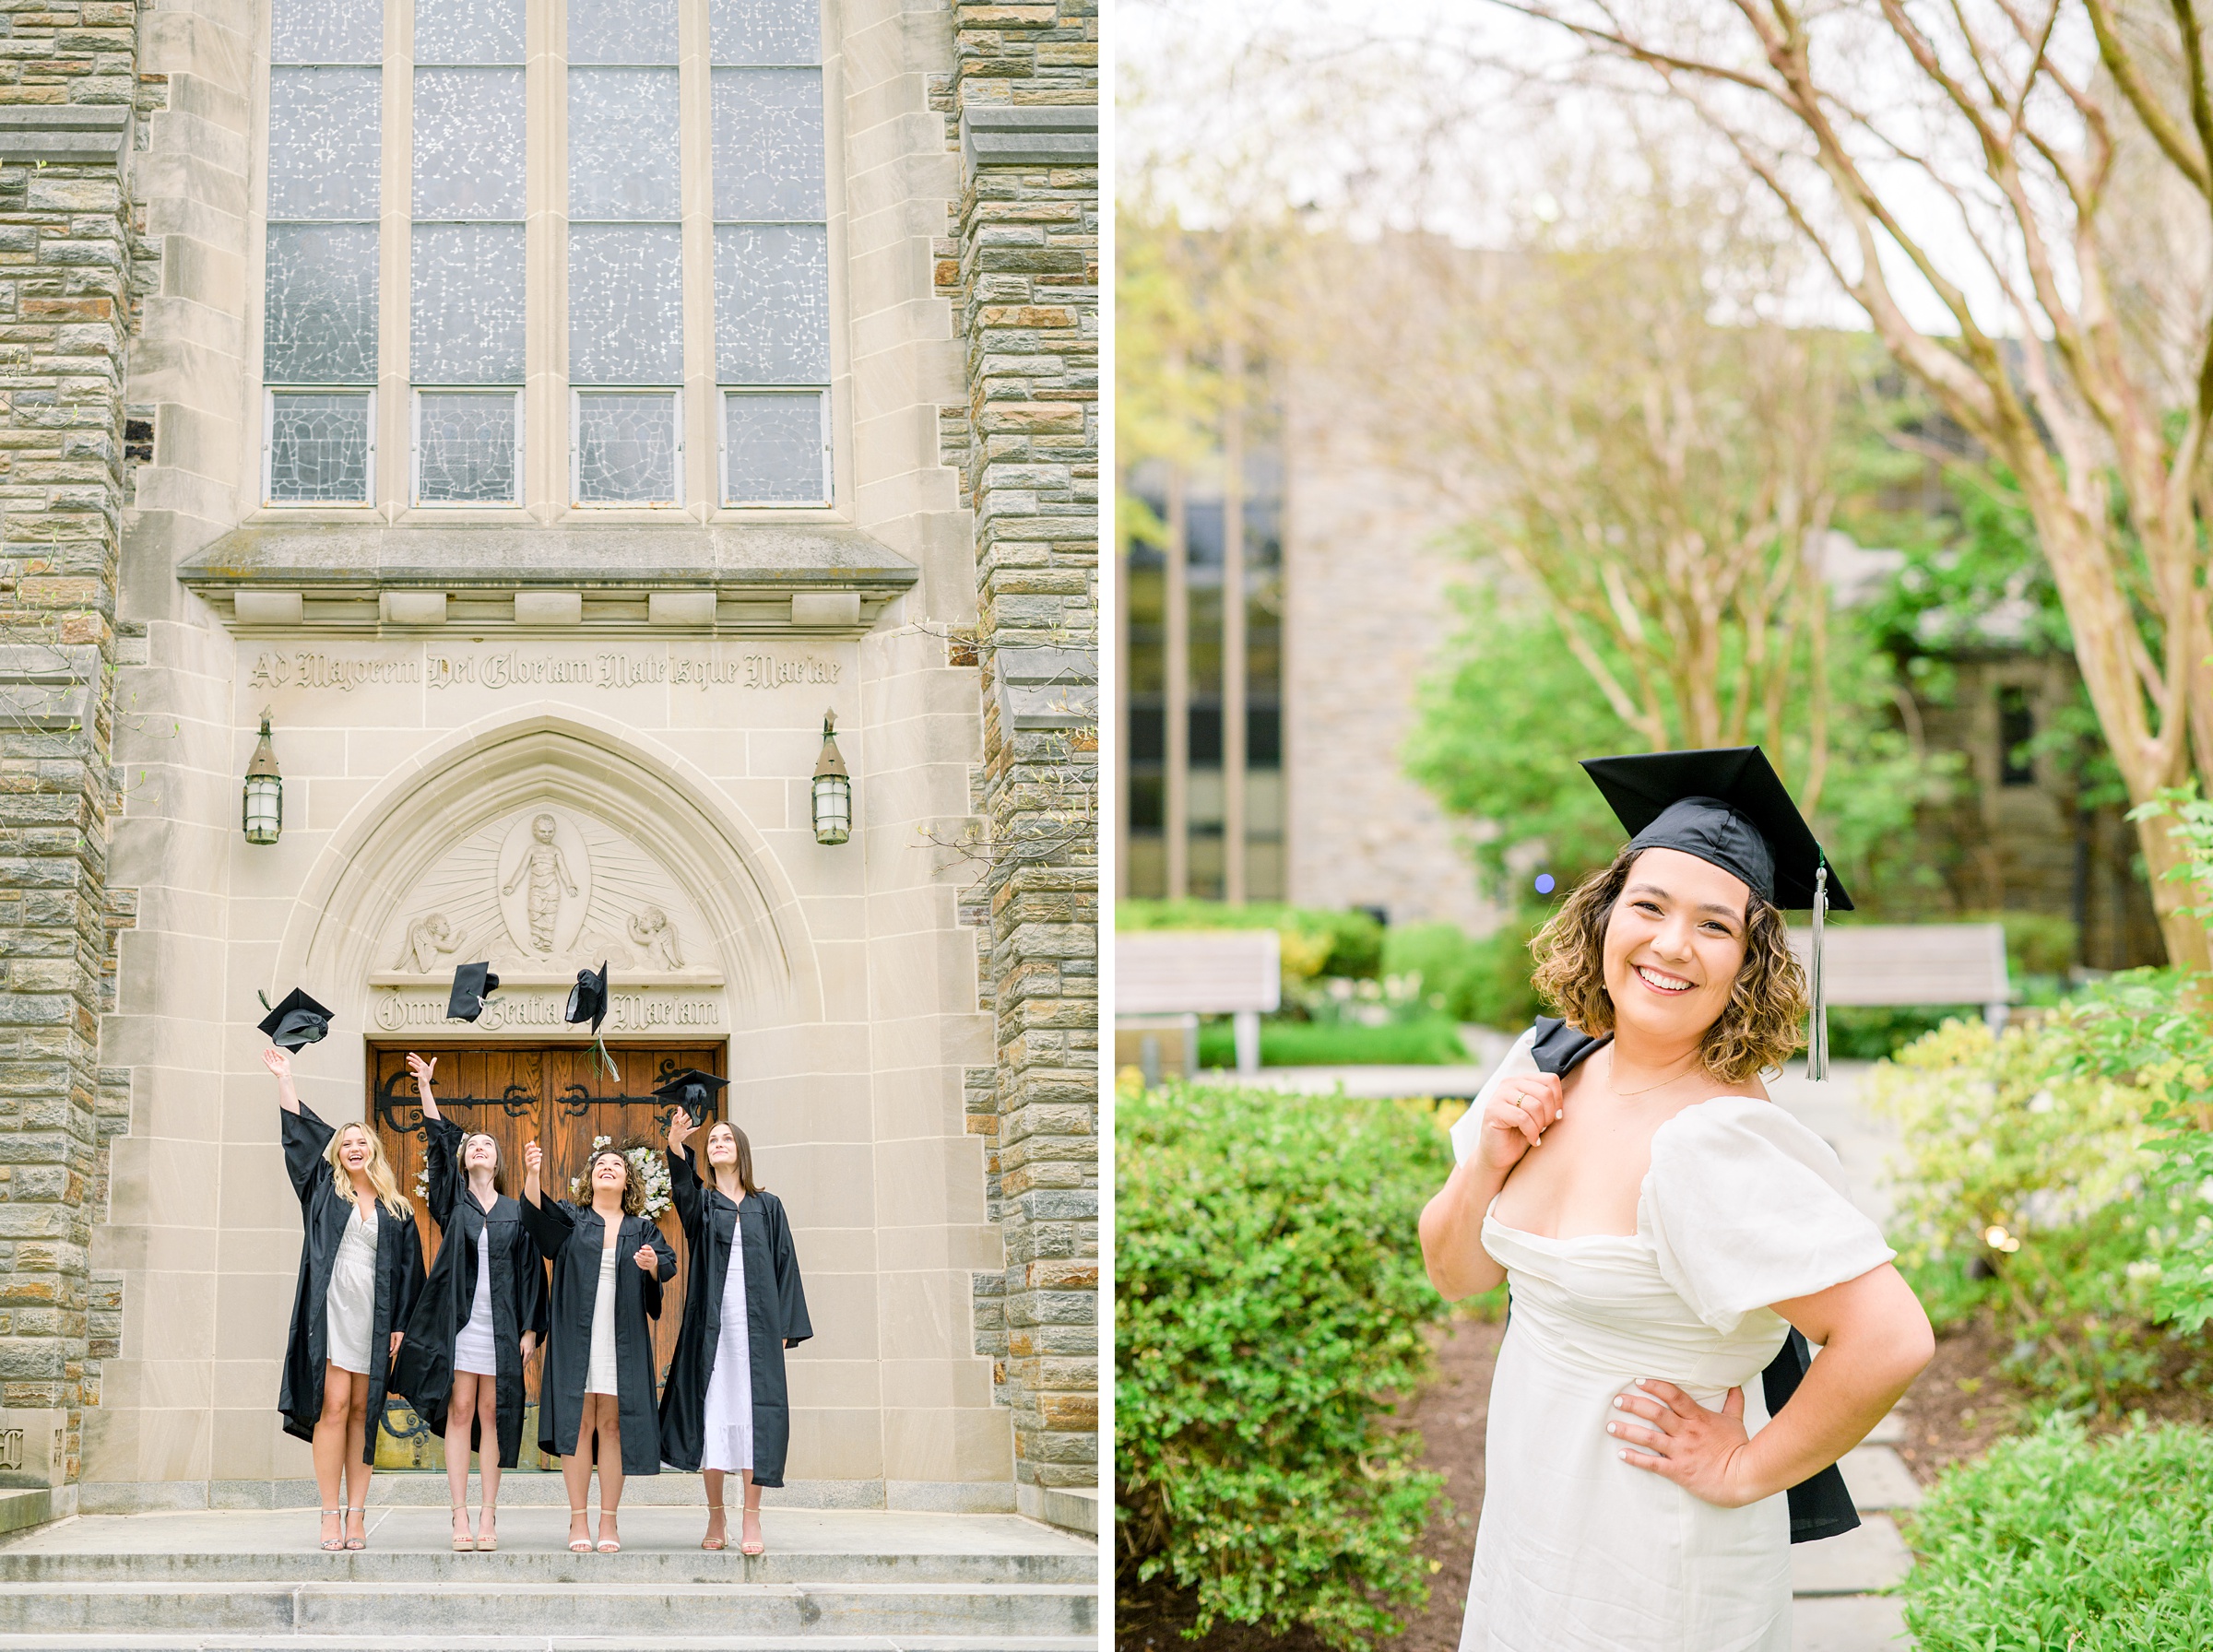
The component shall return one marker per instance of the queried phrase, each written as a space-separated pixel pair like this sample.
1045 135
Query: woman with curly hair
596 1393
1666 1234
360 1270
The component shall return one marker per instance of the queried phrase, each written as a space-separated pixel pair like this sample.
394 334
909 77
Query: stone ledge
828 582
67 134
993 134
1075 1507
48 686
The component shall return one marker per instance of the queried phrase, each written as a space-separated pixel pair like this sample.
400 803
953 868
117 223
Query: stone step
1839 1623
1879 1479
383 1610
1864 1560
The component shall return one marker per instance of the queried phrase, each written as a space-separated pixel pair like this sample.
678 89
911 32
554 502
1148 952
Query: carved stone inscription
501 668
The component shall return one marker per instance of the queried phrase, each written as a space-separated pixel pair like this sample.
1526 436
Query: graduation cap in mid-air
690 1089
1727 806
296 1021
473 982
587 1002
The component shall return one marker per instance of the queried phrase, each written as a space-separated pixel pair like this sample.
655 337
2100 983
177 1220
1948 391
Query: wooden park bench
1164 980
1897 966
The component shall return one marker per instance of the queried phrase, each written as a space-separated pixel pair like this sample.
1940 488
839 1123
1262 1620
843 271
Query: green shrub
2053 1542
1484 981
2017 1167
1875 1032
1429 1043
1316 942
1268 1307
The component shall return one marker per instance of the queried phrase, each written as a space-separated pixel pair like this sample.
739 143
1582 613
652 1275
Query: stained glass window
772 250
319 290
467 265
626 263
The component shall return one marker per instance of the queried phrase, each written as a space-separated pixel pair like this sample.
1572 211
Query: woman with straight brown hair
360 1270
595 1393
482 1312
726 1410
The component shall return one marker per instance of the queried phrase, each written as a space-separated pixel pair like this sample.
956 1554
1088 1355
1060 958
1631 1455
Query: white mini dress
601 1371
350 1300
1578 1550
474 1351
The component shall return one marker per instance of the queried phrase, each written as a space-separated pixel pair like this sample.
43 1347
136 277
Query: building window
466 256
319 334
2016 728
772 252
475 371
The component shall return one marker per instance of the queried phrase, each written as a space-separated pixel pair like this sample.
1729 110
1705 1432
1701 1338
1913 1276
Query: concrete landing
830 1579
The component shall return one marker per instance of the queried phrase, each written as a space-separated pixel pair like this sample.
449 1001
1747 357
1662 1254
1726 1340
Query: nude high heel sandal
465 1540
488 1541
711 1543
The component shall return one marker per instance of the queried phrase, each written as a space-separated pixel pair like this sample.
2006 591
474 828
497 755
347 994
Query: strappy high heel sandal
579 1544
488 1541
609 1545
711 1541
335 1545
361 1542
752 1545
465 1540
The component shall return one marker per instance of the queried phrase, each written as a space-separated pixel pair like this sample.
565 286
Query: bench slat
1208 973
1896 965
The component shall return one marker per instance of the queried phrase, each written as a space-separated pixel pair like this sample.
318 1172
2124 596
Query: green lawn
1317 1044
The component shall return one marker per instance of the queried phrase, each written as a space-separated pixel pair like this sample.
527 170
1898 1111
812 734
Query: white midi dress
1578 1550
601 1371
474 1351
729 1445
350 1303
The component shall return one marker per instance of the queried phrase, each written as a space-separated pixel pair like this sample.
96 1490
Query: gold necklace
1625 1095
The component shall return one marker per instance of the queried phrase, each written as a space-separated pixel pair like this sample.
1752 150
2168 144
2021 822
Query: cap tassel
1816 1050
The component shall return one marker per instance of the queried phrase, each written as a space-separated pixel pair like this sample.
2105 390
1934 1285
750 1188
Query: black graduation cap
472 983
296 1021
587 998
1727 806
692 1088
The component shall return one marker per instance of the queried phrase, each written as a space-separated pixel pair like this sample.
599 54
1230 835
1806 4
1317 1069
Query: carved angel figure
654 935
548 870
429 938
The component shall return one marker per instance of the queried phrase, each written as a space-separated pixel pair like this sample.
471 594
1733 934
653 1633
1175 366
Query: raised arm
1513 1111
442 1145
280 1063
546 1221
685 1188
304 1135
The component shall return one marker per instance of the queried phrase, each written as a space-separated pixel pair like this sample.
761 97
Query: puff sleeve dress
1577 1551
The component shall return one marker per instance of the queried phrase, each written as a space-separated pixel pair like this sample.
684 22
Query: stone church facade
546 414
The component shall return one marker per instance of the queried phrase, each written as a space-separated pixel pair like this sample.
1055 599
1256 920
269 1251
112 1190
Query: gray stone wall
67 83
1022 271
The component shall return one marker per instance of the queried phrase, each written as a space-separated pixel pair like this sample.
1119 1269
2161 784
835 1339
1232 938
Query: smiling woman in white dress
1661 1227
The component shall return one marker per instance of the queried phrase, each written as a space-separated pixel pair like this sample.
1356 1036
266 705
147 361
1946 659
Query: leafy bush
1316 942
1875 1032
1429 1043
1484 981
1269 1305
2051 1540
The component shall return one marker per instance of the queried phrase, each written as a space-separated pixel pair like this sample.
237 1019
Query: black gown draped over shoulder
776 1312
324 1214
424 1373
571 1235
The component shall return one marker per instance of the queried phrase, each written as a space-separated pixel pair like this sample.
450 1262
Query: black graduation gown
423 1374
1821 1506
571 1236
324 1214
776 1312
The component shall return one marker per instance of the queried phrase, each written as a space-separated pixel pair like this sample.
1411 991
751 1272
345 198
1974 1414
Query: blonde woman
360 1270
596 1389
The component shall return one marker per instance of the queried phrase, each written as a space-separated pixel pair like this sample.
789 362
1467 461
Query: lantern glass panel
265 809
832 808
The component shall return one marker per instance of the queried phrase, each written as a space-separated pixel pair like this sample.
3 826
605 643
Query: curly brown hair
633 1184
1765 1020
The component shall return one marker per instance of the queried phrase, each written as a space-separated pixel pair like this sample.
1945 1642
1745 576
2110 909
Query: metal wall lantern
832 789
263 807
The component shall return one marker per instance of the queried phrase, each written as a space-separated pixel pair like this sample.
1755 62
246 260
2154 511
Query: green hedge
1484 981
1269 1305
2052 1540
1338 1043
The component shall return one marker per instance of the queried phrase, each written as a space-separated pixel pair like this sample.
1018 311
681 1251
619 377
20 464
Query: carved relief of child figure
654 935
429 938
548 871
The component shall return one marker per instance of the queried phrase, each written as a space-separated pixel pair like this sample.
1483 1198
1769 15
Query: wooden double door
560 1096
